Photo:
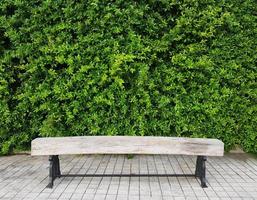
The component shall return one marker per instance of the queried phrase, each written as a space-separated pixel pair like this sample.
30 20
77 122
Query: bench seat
126 145
55 146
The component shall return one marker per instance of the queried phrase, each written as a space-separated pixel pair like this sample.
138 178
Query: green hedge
153 67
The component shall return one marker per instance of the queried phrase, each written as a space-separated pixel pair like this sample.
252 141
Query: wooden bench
55 146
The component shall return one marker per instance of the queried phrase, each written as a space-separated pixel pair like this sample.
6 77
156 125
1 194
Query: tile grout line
120 178
92 177
111 177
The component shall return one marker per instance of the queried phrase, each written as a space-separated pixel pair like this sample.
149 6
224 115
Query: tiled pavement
233 176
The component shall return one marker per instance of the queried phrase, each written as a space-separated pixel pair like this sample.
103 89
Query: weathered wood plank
126 145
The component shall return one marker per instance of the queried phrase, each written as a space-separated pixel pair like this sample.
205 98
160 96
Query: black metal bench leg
54 170
200 170
58 171
51 172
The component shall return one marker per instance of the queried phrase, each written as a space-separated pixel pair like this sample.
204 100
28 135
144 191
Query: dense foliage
152 67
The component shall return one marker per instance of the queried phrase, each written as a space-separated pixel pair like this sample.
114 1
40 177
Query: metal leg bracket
54 170
200 170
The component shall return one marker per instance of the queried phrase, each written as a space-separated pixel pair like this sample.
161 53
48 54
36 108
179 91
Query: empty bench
55 146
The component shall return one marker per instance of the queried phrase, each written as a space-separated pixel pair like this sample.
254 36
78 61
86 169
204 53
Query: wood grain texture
126 145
